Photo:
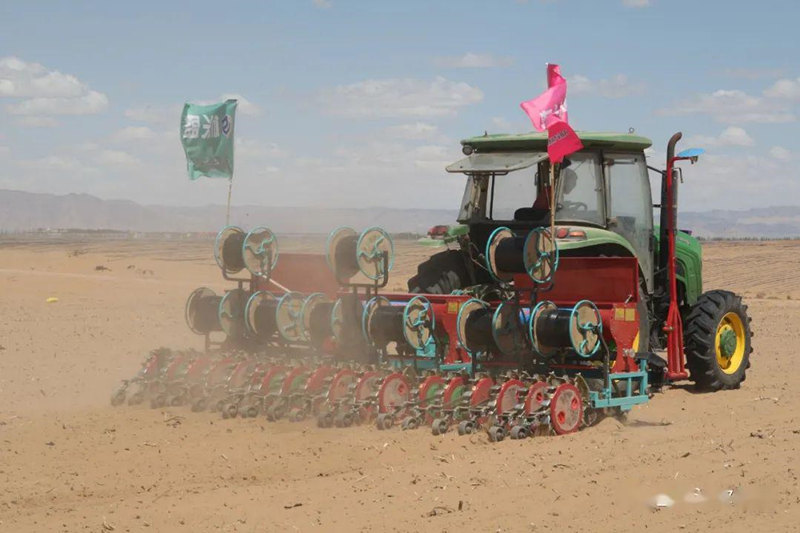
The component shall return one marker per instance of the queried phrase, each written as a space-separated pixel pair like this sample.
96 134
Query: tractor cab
603 202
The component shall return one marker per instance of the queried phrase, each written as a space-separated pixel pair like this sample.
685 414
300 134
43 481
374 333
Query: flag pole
552 200
228 211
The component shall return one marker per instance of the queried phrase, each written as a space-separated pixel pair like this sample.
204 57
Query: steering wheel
575 206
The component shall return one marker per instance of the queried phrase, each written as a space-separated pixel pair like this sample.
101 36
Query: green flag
207 137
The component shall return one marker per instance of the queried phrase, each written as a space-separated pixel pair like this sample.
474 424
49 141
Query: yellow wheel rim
730 343
636 343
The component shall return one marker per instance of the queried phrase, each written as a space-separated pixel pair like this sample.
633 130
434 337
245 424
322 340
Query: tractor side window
630 209
580 190
474 200
511 192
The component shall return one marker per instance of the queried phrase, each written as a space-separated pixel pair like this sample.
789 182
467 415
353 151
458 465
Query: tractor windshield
515 195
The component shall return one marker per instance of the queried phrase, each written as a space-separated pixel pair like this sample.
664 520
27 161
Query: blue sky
351 103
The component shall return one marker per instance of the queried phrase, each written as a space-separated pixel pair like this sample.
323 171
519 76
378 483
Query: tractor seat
531 214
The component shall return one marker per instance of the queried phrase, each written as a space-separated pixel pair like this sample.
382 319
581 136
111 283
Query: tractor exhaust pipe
667 204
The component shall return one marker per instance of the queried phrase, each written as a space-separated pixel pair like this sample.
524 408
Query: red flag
551 104
554 78
561 141
549 111
546 106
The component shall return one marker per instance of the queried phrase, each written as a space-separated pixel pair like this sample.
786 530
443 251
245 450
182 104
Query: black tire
700 341
442 273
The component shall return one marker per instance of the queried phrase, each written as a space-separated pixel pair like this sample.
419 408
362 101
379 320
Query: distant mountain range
24 211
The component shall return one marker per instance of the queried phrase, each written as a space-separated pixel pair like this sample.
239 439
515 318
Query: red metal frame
305 273
624 326
602 280
676 363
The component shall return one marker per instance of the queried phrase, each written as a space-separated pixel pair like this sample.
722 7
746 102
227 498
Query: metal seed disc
566 409
453 392
317 379
372 245
260 251
536 397
340 384
509 395
394 392
367 385
430 389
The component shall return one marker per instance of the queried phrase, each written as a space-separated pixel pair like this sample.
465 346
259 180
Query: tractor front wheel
717 341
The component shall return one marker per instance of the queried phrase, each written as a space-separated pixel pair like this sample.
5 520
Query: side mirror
691 153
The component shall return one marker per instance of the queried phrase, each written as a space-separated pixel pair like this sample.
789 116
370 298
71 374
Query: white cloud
732 106
748 73
731 136
780 153
618 86
322 4
46 92
418 131
738 181
503 125
636 3
170 114
155 114
37 122
399 97
257 150
20 79
115 158
52 163
472 60
134 133
90 103
785 90
244 106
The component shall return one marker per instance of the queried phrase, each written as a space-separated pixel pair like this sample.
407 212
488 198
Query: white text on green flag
207 138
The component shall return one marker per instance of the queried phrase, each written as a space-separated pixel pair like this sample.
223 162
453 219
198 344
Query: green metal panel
538 141
594 237
689 254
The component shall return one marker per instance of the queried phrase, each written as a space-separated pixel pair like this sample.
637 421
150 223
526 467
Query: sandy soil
71 462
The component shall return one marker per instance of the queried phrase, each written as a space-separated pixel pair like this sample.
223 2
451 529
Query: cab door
630 206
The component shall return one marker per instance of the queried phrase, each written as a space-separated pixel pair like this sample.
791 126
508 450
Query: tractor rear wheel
717 341
442 273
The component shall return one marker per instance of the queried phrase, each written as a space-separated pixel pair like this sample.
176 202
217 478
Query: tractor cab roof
538 141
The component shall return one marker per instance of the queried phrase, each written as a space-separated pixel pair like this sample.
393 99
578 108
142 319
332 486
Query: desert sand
71 462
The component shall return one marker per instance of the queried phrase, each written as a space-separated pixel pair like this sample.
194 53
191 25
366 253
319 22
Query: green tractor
603 207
